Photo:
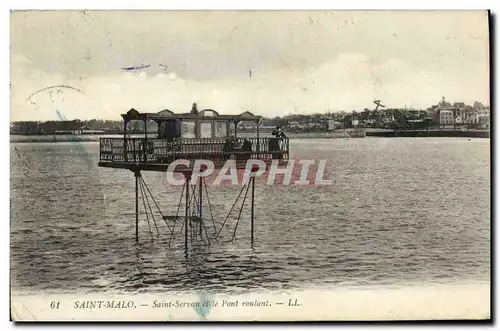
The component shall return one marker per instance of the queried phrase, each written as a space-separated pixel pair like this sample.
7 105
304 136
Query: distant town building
478 105
333 124
444 103
483 117
484 122
446 117
432 112
293 125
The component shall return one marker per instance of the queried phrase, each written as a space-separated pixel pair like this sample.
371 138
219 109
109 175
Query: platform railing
155 150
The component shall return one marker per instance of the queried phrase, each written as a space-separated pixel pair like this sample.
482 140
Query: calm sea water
400 211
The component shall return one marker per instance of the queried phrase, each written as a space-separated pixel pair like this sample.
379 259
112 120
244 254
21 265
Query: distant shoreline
95 138
305 135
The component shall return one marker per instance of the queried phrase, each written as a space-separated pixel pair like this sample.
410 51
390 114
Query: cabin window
220 129
208 113
168 129
188 129
205 129
162 128
232 128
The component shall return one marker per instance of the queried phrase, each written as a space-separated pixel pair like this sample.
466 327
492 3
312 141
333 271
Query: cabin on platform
202 134
193 125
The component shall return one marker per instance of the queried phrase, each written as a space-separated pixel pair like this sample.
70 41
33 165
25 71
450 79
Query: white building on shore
446 117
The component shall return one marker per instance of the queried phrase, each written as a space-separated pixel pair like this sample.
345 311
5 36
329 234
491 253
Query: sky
271 63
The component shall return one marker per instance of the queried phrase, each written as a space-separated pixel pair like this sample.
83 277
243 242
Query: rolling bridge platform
203 135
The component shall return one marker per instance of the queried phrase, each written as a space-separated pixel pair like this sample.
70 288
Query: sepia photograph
250 165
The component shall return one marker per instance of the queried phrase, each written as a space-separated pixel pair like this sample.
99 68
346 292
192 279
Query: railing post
125 152
134 149
258 147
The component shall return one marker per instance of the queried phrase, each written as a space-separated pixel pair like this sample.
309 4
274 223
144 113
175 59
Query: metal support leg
252 209
137 175
186 214
200 183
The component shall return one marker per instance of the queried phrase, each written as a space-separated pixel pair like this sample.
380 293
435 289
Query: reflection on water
399 211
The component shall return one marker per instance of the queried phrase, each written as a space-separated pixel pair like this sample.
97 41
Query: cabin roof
205 114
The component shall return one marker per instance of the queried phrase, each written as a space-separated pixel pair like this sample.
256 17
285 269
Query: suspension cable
156 204
146 210
180 200
227 216
152 197
190 227
239 215
189 208
210 207
188 203
172 234
150 209
206 233
193 196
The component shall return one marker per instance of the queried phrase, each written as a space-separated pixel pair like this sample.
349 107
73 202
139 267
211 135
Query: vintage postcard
249 165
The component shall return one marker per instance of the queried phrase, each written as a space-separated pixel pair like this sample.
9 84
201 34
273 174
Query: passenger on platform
228 147
247 149
275 143
247 145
